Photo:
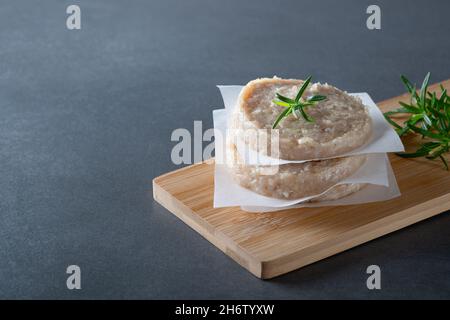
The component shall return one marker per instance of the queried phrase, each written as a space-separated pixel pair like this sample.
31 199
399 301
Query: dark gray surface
86 118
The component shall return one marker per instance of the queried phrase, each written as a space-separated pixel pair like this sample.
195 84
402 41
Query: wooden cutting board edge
300 258
221 241
355 237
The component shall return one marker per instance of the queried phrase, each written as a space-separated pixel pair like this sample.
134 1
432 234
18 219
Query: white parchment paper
376 171
370 193
384 138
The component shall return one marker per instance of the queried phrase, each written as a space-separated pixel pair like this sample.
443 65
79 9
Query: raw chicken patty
341 122
297 180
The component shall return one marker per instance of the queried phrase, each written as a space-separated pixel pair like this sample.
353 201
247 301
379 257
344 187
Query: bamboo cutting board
272 244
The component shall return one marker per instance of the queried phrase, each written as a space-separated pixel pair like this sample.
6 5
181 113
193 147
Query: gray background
85 124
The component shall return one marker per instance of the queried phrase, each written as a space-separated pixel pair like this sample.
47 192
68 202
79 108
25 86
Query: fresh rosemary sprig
428 116
296 106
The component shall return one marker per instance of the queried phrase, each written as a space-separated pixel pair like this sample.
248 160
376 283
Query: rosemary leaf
296 106
428 116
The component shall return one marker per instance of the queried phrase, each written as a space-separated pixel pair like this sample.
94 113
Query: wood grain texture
272 244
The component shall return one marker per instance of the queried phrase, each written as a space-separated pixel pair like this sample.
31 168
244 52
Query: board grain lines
271 244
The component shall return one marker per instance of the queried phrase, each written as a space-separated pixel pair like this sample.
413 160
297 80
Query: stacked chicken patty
341 123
